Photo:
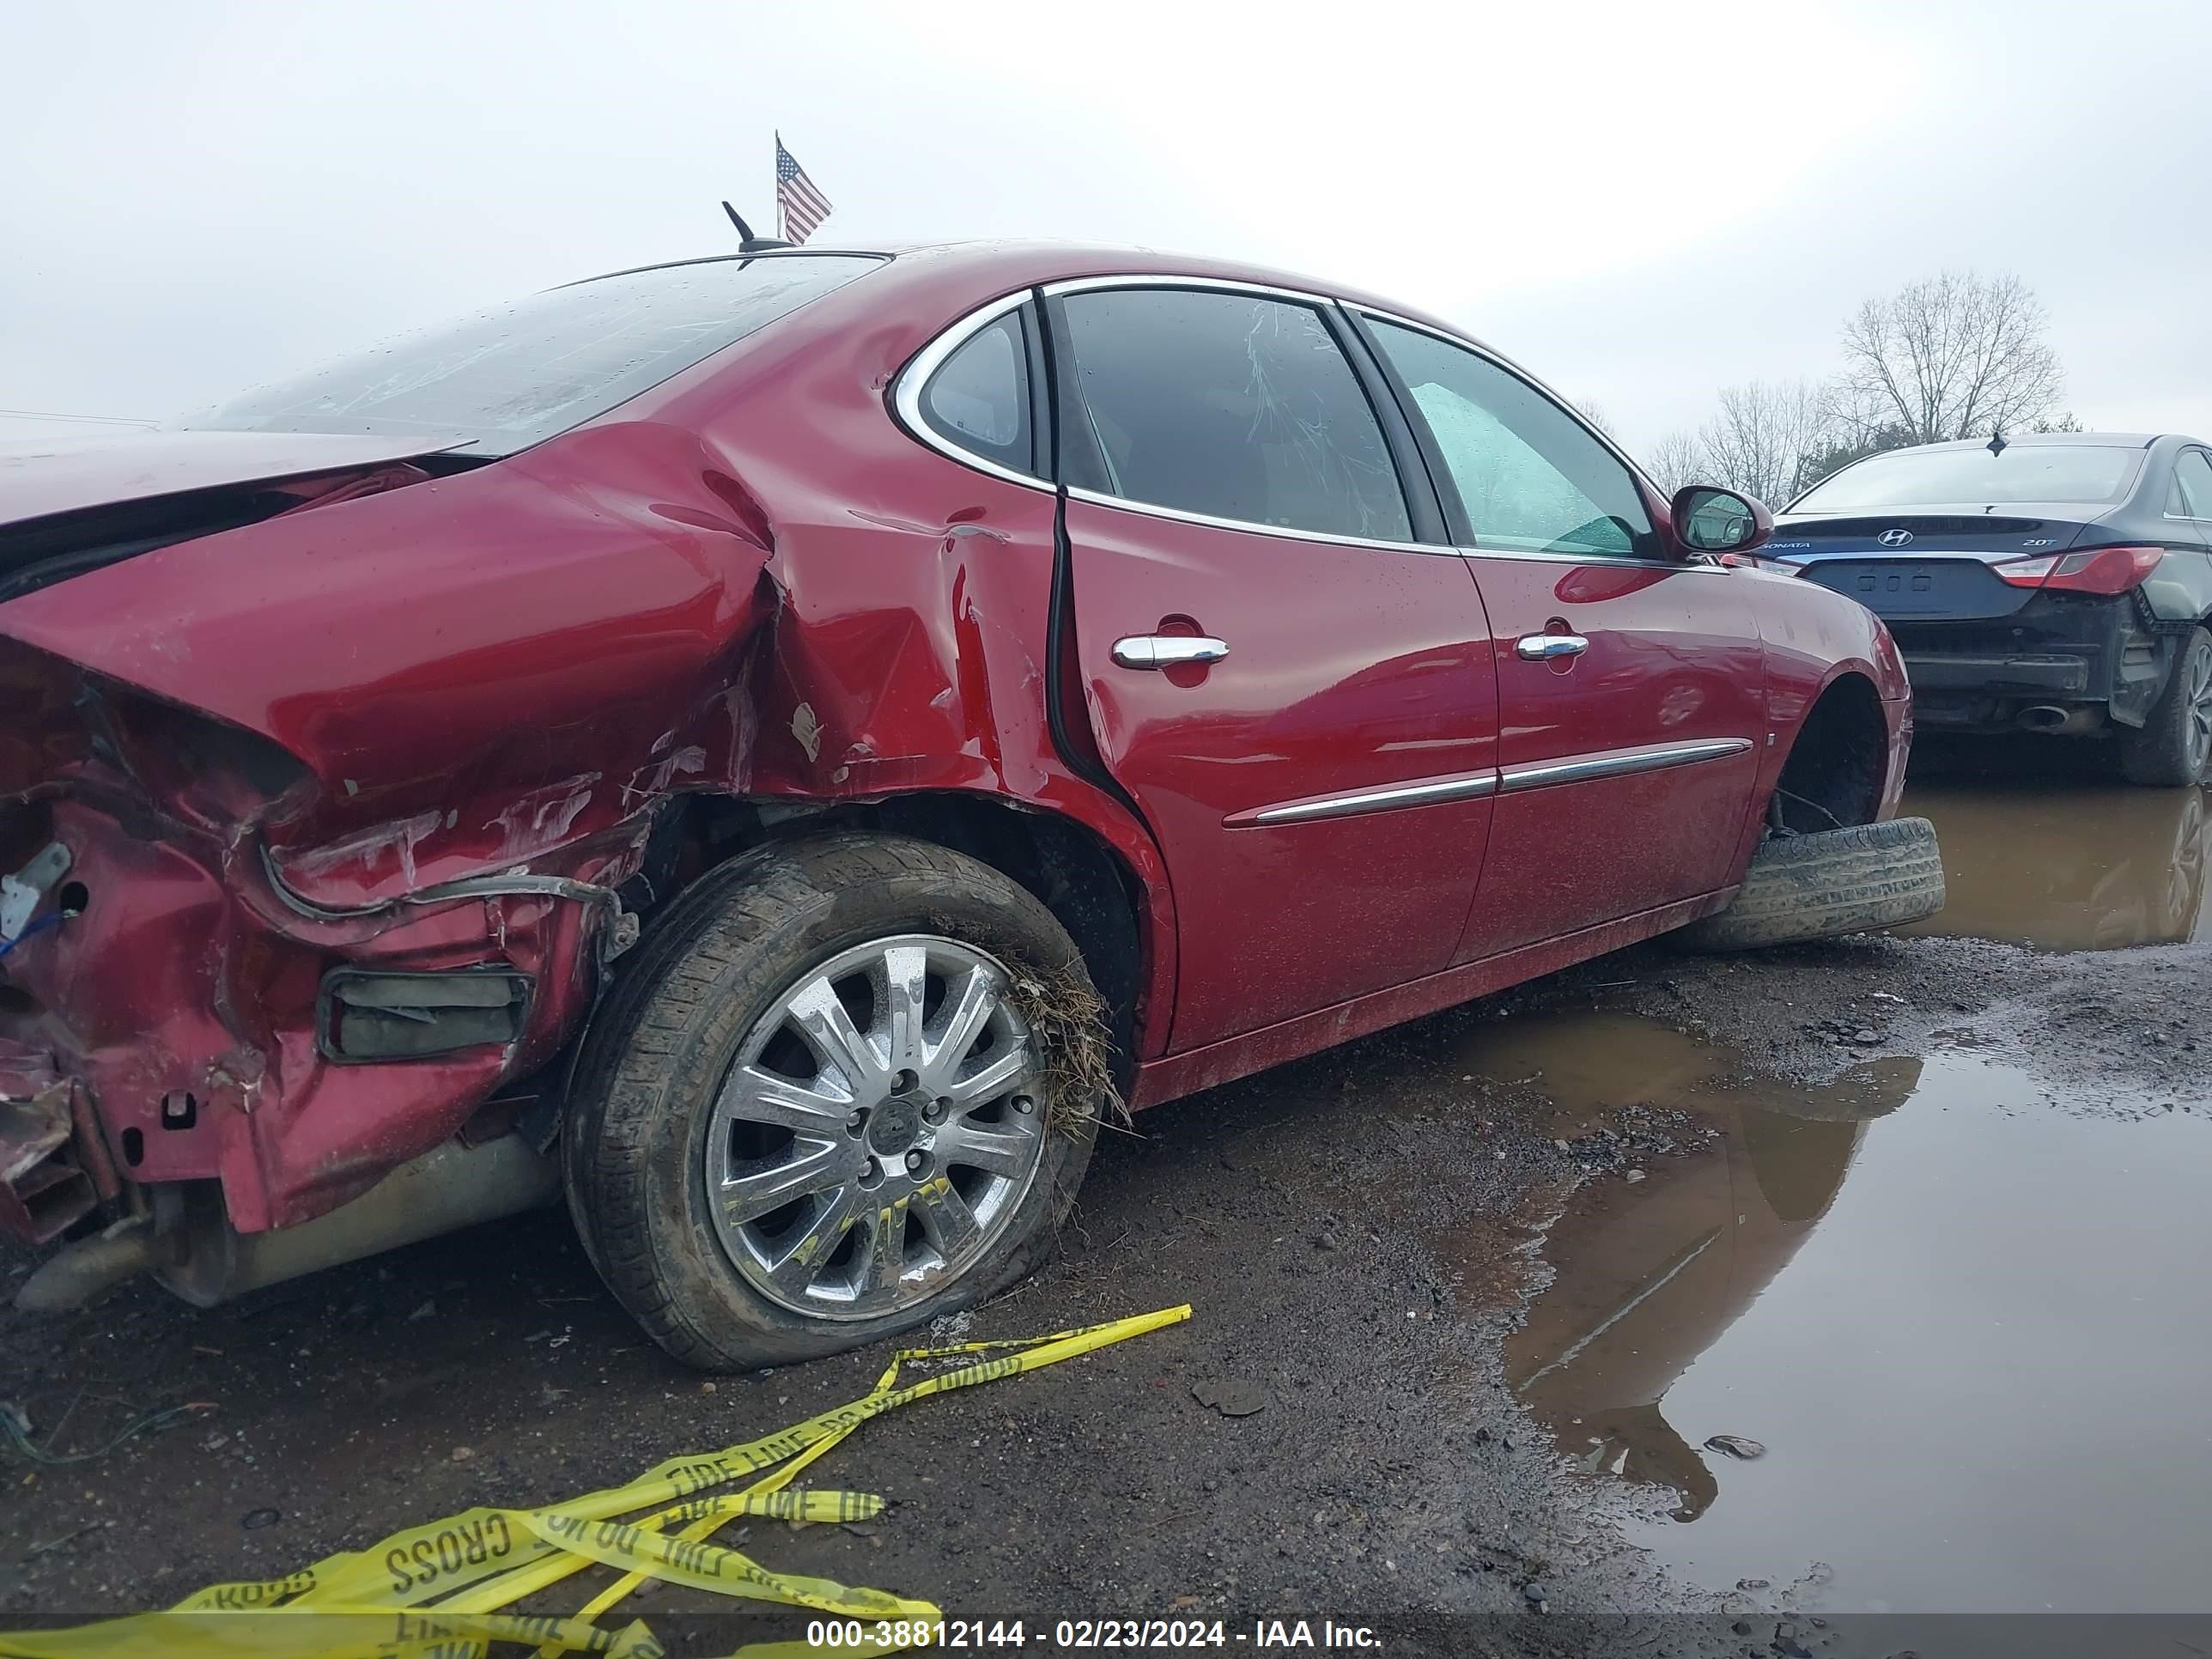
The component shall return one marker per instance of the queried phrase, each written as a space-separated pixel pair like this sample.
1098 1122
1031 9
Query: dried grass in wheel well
1068 1020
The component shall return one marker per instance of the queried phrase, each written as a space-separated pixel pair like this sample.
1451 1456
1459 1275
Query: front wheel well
1833 776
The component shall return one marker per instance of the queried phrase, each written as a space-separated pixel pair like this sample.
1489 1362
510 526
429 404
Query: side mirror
1713 520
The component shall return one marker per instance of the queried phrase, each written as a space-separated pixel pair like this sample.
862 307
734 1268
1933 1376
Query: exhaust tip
2044 717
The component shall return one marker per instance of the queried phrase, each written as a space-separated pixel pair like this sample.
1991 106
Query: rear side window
1530 476
2193 477
1231 405
978 399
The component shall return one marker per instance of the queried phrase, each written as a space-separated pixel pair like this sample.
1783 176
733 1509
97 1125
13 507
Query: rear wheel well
1834 773
1070 870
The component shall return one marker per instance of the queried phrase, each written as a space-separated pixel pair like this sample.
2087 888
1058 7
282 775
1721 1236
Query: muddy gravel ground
1359 1236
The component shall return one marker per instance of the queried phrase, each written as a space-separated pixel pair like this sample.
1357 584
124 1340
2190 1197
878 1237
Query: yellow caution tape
435 1591
328 1633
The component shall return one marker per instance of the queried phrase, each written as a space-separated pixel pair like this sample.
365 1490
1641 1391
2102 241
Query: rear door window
1232 406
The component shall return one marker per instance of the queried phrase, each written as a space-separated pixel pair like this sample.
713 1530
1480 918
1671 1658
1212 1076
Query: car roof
2099 439
1004 265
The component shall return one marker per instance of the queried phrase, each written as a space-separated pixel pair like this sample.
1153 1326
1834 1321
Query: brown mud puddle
1970 1327
2066 865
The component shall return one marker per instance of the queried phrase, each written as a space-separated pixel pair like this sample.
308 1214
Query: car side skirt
1175 1075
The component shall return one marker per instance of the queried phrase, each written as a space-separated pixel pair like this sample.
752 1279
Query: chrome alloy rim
878 1130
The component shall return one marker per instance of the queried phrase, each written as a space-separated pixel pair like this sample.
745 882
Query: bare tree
1596 414
1677 460
1765 436
1954 356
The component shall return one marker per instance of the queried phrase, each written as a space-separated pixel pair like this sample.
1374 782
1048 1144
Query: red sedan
776 744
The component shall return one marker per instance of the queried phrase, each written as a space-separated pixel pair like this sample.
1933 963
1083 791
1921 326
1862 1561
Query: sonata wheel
2197 682
2174 749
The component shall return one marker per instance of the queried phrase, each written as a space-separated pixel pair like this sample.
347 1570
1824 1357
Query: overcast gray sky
1641 202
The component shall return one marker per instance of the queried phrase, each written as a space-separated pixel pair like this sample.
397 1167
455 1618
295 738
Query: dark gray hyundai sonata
2057 582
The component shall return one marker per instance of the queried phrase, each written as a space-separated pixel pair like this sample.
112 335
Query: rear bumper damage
53 1173
285 1059
2071 652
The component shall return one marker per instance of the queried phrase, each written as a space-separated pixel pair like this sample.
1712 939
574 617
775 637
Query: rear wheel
847 1087
2173 751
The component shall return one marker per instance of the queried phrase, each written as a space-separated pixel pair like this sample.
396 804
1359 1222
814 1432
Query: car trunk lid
41 477
67 507
1929 564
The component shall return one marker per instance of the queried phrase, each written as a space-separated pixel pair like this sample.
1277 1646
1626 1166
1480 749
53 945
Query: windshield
514 376
2020 472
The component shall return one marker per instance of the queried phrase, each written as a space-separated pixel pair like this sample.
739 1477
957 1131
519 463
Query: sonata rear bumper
2069 650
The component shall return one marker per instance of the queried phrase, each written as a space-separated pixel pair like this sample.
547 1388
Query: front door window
1531 477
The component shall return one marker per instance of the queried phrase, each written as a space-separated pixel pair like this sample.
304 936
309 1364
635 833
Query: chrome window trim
1068 285
1358 802
1376 314
1652 757
907 389
1230 285
906 405
1614 560
1099 498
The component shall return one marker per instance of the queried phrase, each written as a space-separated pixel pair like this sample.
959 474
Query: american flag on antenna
798 206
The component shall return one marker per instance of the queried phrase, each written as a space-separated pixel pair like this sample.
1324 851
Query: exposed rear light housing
2106 570
363 1015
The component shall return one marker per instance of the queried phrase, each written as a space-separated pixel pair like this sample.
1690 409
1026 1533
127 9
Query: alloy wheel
881 1124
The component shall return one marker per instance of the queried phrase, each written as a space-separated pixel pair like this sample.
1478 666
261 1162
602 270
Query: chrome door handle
1543 647
1167 650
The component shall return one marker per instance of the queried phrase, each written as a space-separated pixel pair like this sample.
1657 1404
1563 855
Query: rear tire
1851 880
2173 751
700 1091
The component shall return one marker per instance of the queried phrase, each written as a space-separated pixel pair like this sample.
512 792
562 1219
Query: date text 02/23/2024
1074 1635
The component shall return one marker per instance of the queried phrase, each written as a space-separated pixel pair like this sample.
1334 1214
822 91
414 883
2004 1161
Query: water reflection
1971 1332
1648 1274
2067 866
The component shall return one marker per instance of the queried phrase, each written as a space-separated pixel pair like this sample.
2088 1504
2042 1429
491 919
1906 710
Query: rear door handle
1543 647
1167 650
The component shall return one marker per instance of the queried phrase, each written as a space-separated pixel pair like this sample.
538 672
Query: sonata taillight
2106 570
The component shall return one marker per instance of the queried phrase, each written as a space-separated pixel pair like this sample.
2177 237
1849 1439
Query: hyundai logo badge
1895 538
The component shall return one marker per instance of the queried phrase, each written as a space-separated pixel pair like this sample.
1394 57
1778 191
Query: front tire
847 1085
2173 751
1832 882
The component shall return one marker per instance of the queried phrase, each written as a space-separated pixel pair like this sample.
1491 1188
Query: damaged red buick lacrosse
772 747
